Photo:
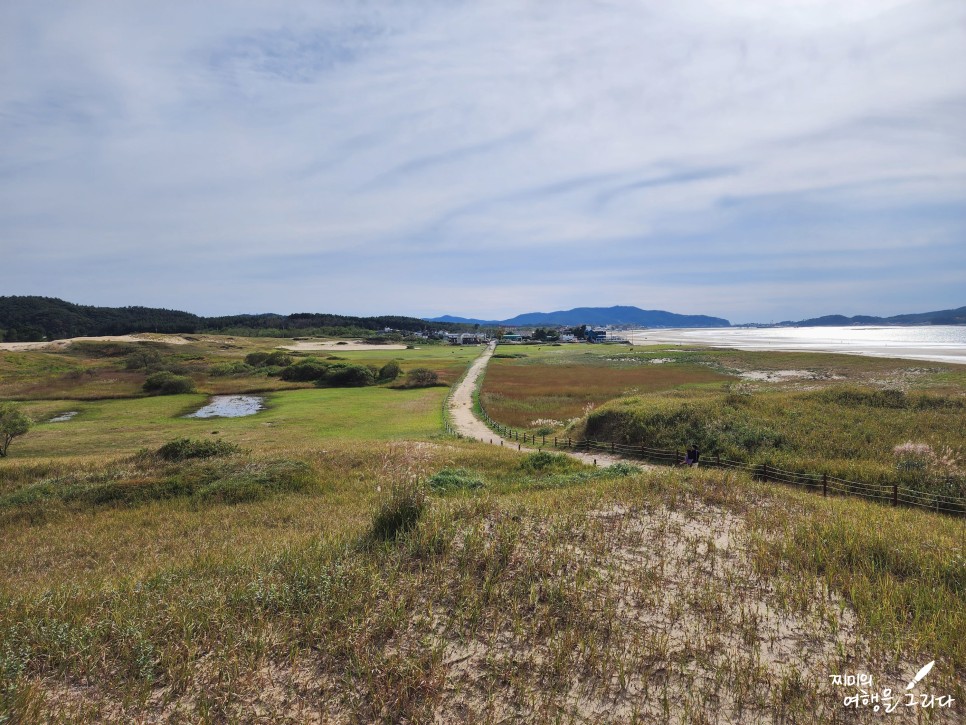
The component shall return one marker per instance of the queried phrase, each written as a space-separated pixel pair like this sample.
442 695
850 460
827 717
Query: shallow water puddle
63 417
230 406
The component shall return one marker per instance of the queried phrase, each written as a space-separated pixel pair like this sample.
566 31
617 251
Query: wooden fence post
717 459
895 494
568 442
764 471
555 441
612 446
824 484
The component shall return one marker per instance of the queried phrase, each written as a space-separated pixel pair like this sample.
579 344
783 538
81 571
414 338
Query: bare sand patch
344 345
689 624
54 345
781 376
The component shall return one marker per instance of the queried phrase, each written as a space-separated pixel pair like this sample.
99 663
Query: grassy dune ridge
538 595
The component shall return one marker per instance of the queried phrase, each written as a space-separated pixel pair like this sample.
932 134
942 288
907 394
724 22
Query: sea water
938 343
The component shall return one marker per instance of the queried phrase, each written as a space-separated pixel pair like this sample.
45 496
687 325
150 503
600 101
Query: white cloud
441 133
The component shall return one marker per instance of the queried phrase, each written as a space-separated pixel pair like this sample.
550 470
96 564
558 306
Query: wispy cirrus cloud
742 159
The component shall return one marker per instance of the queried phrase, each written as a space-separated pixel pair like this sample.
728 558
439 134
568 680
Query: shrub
256 359
421 378
167 383
230 368
390 371
305 371
348 376
621 469
543 461
400 512
276 358
279 359
455 479
185 448
141 359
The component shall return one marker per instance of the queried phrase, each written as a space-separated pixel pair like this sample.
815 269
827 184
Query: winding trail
468 425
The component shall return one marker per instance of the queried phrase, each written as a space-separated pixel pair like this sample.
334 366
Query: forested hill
40 318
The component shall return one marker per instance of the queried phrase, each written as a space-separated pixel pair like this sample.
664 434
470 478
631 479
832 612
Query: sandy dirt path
467 424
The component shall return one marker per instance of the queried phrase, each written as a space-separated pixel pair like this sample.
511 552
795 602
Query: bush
421 378
276 358
390 371
400 512
256 359
222 370
305 371
543 461
348 376
167 383
185 448
142 359
455 479
279 359
621 469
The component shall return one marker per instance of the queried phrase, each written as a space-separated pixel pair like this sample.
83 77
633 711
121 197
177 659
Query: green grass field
350 563
293 417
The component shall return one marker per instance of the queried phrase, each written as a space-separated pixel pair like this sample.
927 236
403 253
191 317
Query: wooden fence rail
891 493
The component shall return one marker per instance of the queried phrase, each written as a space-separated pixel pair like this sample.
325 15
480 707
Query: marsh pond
230 406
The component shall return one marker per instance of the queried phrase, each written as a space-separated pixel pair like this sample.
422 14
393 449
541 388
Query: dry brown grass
516 394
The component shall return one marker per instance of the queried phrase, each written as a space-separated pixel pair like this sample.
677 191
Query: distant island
618 315
940 317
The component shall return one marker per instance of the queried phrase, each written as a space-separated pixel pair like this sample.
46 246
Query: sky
755 159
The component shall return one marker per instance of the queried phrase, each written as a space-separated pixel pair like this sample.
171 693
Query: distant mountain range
940 317
38 318
626 315
619 315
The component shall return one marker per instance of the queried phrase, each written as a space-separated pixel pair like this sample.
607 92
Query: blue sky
755 159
